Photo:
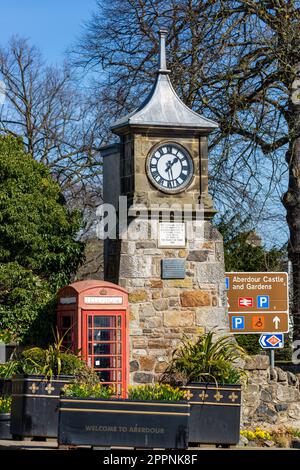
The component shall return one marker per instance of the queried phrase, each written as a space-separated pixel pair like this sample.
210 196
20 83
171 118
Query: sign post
258 303
272 358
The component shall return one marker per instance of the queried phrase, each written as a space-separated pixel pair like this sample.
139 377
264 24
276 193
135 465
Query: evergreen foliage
38 250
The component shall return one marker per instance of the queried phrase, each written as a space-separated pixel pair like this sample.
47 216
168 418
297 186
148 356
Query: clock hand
174 161
171 171
169 164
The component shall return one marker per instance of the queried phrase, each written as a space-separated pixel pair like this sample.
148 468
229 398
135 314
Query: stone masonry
161 311
271 398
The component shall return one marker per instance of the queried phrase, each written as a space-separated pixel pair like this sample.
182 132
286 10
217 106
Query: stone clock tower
171 259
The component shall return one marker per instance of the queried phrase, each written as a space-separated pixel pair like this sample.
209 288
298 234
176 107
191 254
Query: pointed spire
162 51
162 107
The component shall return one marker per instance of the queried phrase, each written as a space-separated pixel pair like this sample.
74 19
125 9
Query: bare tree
46 107
235 60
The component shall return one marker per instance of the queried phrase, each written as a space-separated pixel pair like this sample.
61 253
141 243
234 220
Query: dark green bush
71 364
87 375
35 356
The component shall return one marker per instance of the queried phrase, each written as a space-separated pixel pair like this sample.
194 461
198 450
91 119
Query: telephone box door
104 346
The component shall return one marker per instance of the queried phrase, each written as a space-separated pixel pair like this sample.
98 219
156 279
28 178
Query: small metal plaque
173 268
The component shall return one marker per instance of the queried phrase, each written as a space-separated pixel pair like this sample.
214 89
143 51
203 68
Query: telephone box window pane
103 362
90 322
111 362
104 335
104 348
105 376
108 322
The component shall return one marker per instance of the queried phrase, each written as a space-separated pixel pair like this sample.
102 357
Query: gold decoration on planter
203 395
188 395
34 388
218 396
49 388
233 397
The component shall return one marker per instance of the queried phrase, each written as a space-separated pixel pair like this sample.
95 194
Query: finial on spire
162 51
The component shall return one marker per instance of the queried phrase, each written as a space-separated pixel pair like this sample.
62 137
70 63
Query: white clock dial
170 167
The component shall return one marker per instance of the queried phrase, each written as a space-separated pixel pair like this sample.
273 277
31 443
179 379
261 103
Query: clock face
170 168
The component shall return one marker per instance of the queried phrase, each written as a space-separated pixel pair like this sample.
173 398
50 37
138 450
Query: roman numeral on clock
183 175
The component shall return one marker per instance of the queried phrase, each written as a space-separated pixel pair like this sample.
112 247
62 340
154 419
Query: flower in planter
5 404
161 392
84 390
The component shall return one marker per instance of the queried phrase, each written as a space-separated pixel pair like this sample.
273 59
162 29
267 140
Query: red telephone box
92 316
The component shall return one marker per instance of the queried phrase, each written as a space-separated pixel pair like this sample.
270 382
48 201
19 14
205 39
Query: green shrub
8 369
34 356
71 364
38 247
49 362
162 392
208 359
7 337
87 375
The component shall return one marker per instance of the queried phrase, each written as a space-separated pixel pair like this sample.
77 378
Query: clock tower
171 260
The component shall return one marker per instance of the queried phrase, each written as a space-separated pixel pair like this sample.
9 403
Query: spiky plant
208 359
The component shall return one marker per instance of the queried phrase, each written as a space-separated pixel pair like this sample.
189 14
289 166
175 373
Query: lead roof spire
162 107
162 51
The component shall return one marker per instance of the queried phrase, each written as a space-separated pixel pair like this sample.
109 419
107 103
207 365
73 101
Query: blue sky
52 25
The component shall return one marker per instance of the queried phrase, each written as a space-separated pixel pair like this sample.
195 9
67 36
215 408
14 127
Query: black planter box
215 413
5 426
123 422
5 387
35 403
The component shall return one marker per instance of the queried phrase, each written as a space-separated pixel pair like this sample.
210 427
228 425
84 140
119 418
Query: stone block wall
161 311
272 396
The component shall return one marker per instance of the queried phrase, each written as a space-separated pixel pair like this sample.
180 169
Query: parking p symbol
263 301
238 323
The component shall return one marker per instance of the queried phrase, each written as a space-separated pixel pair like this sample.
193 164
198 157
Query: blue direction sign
271 340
